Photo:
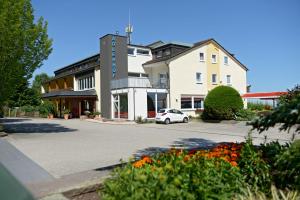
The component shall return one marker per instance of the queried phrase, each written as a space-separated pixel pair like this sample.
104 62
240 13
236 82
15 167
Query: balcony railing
139 82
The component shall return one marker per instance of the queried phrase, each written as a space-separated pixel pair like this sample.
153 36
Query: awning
264 95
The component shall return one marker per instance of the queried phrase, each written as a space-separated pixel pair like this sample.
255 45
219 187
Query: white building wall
135 61
237 73
97 88
183 76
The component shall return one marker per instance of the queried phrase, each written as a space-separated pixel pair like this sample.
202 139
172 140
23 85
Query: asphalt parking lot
63 147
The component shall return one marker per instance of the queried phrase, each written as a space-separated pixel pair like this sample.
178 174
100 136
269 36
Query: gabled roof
196 45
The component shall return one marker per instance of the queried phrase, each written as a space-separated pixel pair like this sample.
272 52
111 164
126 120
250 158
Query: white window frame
212 79
192 102
84 82
198 81
212 60
226 63
230 81
202 60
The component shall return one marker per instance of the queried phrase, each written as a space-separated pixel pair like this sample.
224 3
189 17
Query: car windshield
161 111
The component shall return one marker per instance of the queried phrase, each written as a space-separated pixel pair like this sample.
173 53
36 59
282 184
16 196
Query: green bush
287 168
46 108
245 115
172 177
28 109
255 106
254 169
223 102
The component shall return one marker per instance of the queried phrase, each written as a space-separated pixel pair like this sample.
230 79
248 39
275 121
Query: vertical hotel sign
113 56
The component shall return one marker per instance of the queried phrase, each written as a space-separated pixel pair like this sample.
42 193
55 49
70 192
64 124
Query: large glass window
151 105
155 102
85 83
186 102
142 51
191 102
197 102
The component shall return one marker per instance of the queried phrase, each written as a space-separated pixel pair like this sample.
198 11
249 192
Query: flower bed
227 171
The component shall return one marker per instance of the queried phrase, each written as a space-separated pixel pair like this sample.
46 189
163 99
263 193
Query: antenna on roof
129 30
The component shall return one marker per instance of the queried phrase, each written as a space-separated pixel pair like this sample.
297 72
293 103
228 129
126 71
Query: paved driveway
64 147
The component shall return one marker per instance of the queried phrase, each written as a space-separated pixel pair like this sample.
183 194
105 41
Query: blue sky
263 34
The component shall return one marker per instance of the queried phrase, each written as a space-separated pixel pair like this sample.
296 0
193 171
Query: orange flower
139 164
147 159
186 158
233 163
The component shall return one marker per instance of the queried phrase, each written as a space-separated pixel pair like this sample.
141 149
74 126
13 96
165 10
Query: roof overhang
70 93
263 95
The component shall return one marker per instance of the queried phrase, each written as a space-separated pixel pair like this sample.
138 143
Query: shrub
66 111
255 106
46 108
177 174
222 102
245 115
254 169
28 109
287 167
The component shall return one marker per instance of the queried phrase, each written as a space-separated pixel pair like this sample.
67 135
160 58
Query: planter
50 116
66 116
98 117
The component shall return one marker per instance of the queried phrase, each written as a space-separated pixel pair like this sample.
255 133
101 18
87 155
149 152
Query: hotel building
127 81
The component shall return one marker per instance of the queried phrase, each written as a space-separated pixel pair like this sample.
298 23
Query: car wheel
185 120
167 121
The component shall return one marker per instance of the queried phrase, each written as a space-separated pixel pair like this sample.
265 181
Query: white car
168 116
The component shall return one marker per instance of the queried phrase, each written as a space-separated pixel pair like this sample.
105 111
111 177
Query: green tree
24 44
24 96
38 81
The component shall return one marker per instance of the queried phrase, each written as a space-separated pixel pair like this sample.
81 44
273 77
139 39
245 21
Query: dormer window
159 54
167 52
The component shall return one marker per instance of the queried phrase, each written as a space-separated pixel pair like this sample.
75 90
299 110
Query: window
159 54
225 60
186 102
85 83
167 52
198 102
228 79
130 51
133 74
142 51
214 78
198 77
191 102
214 58
201 55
